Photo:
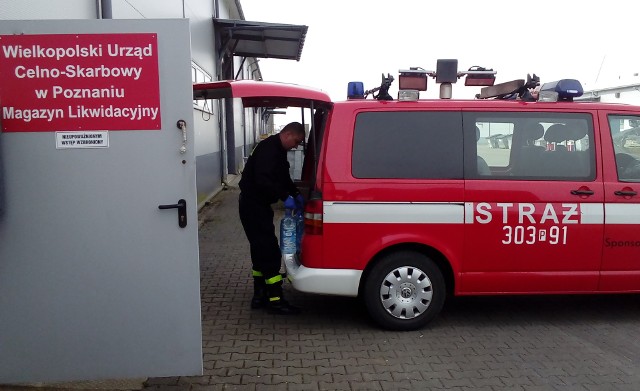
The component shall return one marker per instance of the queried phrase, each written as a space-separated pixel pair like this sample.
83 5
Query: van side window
530 146
410 145
493 142
625 133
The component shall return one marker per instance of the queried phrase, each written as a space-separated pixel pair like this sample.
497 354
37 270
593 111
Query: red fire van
411 200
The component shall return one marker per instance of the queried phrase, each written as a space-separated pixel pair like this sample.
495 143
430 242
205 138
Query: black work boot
281 307
259 299
276 304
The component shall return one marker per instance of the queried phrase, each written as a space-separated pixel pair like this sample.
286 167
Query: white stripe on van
454 213
591 214
622 213
393 212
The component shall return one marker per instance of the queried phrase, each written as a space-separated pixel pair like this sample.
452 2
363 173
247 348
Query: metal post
106 10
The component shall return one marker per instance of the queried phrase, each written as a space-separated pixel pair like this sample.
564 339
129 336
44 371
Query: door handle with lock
625 193
182 211
582 192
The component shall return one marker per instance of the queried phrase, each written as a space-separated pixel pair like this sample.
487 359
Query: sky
359 40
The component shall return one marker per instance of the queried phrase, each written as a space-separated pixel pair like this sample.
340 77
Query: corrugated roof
260 39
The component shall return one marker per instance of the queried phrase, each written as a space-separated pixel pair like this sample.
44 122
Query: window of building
199 75
411 145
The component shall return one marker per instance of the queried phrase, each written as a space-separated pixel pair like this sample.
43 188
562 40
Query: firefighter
265 180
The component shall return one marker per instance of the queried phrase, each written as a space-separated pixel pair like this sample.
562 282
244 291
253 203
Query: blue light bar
567 89
355 90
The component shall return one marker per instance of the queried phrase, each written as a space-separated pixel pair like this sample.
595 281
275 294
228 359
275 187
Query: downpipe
105 9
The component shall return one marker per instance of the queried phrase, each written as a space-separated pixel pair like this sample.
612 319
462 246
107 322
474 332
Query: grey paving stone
482 343
311 386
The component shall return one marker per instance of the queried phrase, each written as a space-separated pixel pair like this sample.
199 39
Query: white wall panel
146 9
200 14
47 9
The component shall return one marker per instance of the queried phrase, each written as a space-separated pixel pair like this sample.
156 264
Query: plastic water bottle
288 233
299 230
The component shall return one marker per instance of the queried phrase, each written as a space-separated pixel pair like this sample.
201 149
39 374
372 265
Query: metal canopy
259 39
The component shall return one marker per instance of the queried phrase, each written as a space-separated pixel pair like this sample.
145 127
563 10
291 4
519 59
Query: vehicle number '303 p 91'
528 223
520 234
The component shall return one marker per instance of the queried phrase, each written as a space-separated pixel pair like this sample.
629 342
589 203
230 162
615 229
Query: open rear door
279 95
263 94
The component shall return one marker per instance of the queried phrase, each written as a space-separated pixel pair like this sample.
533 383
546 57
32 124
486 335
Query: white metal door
96 281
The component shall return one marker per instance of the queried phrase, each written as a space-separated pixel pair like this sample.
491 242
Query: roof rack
414 80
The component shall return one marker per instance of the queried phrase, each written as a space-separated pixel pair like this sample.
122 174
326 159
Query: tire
404 291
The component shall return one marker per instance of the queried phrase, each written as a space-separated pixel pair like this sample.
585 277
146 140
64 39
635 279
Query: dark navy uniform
265 180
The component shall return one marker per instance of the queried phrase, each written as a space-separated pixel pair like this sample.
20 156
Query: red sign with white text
79 82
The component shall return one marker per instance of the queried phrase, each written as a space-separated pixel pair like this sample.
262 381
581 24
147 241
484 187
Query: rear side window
408 145
530 146
625 133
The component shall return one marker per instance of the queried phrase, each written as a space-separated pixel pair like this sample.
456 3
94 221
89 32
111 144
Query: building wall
242 129
208 152
209 175
141 9
209 126
206 122
627 97
47 9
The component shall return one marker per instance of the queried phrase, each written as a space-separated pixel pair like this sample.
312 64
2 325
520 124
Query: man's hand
290 203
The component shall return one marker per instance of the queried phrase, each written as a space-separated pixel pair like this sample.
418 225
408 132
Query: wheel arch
436 256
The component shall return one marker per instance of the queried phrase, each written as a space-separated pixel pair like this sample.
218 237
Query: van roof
273 94
510 105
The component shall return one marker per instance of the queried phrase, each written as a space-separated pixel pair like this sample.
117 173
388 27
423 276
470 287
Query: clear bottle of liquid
299 230
288 233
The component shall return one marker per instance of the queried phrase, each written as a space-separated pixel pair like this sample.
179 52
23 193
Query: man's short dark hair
294 127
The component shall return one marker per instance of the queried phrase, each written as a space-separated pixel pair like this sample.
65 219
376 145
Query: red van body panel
498 234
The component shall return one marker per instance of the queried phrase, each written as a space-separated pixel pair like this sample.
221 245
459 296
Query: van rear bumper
340 282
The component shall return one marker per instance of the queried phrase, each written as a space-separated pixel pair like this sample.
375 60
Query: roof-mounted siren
479 76
411 82
561 90
447 74
355 90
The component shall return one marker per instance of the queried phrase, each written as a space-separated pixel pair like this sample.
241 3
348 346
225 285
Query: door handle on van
625 193
582 192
